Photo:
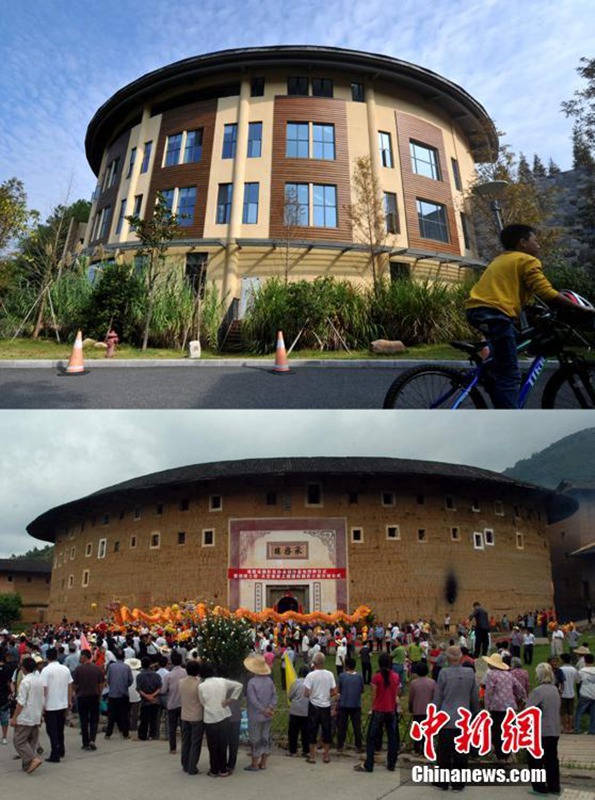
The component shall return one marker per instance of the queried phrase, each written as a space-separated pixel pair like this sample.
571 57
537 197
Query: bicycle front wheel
571 387
431 387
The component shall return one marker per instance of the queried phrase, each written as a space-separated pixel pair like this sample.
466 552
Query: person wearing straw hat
502 691
262 700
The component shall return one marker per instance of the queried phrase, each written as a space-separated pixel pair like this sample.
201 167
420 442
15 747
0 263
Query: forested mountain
571 459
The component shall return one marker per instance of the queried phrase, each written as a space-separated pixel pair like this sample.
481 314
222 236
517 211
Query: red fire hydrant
111 340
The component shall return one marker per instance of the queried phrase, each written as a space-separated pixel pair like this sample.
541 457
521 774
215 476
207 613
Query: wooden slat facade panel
109 197
308 170
186 118
418 186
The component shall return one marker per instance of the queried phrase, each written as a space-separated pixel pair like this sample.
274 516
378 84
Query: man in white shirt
571 679
319 687
340 656
26 719
57 682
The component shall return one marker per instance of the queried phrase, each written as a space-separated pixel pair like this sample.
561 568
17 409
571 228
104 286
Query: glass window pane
230 133
186 206
172 154
193 149
432 221
424 161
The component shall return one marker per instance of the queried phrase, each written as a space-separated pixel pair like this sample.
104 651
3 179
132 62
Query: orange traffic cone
281 365
75 364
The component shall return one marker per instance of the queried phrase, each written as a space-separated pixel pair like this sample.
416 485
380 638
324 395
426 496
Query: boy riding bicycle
495 303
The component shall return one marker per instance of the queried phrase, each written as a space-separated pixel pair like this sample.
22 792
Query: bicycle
571 386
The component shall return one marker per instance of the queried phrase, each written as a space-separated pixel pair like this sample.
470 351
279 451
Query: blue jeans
585 705
500 330
380 720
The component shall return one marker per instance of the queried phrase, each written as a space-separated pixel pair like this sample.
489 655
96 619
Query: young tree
294 219
553 168
154 235
13 210
582 154
367 215
10 609
582 107
524 174
539 170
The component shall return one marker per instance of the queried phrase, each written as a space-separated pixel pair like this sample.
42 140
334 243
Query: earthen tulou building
408 538
255 150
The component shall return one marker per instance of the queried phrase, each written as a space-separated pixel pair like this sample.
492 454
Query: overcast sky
62 59
49 458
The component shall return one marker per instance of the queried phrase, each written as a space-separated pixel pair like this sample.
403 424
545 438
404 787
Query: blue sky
61 59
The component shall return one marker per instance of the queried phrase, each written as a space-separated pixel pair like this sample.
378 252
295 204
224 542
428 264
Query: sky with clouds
62 59
49 458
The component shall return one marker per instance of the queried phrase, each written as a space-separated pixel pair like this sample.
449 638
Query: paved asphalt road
213 387
135 770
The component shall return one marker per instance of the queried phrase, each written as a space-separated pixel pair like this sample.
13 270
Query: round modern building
255 149
408 538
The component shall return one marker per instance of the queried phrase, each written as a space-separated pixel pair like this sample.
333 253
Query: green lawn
281 718
50 349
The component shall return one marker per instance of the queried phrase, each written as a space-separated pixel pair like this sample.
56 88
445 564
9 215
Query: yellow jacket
509 282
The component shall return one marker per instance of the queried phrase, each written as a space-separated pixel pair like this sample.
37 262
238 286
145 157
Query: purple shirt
261 694
502 691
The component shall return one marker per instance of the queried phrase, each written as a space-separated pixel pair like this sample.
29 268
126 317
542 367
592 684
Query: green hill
571 458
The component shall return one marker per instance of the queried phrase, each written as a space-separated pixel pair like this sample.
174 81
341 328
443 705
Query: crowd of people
145 683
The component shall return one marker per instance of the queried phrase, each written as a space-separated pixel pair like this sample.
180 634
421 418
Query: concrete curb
153 363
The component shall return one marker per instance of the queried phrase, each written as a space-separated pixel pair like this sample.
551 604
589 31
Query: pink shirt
269 658
502 691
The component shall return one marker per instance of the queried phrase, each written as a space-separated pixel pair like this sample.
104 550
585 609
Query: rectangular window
488 536
193 147
323 142
208 538
357 535
422 535
297 140
70 581
113 176
230 138
133 541
386 149
456 174
101 548
224 203
168 196
121 216
186 206
105 519
322 87
196 272
393 532
478 540
313 494
465 227
388 499
138 202
391 218
520 541
72 552
184 504
88 549
159 509
86 575
324 206
498 508
106 218
255 140
250 212
215 502
455 534
137 513
424 160
297 86
449 502
271 499
475 505
173 149
296 210
116 547
155 541
257 87
357 92
181 537
146 157
352 498
432 220
131 162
